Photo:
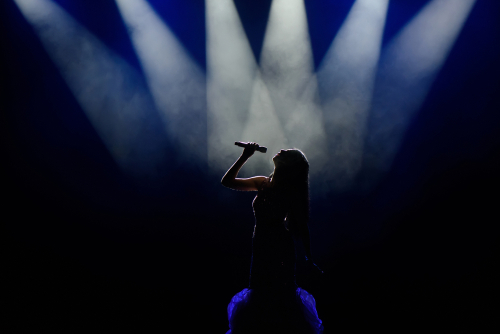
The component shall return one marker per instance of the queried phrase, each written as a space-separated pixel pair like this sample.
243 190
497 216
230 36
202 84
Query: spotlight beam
288 72
176 82
346 78
239 106
263 126
231 69
109 91
407 69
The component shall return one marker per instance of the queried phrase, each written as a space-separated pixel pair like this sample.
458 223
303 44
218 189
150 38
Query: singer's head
291 159
291 179
291 168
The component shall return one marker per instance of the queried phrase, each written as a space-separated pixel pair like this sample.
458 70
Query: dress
273 303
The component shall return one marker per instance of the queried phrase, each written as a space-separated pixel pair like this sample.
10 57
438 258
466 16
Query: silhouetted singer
273 303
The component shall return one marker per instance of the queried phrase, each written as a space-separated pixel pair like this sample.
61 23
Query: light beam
239 106
231 69
288 72
176 82
346 78
407 69
110 92
264 127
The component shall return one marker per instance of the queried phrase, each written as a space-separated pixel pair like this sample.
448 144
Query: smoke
176 82
263 127
346 77
288 72
111 93
347 117
407 69
231 72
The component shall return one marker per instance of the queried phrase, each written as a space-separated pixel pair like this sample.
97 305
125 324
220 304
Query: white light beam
175 80
288 72
346 78
111 92
407 69
231 69
239 106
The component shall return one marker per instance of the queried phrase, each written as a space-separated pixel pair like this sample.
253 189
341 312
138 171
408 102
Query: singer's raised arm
230 179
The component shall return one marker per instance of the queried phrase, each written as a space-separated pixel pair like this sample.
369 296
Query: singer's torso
273 256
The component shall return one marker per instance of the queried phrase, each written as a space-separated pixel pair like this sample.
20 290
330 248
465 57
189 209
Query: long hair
291 179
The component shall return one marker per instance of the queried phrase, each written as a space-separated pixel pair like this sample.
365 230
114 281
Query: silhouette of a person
273 303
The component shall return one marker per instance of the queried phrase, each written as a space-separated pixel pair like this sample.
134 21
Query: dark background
87 248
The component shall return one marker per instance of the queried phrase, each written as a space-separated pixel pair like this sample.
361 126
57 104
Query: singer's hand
249 150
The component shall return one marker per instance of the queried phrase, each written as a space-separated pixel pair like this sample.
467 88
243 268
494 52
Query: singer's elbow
229 183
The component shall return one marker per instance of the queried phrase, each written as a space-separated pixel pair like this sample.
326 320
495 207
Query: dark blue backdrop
87 248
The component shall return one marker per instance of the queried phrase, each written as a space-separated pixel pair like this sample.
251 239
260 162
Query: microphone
259 148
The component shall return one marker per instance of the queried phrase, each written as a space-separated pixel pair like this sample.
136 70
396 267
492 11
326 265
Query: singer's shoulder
260 182
263 182
246 184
